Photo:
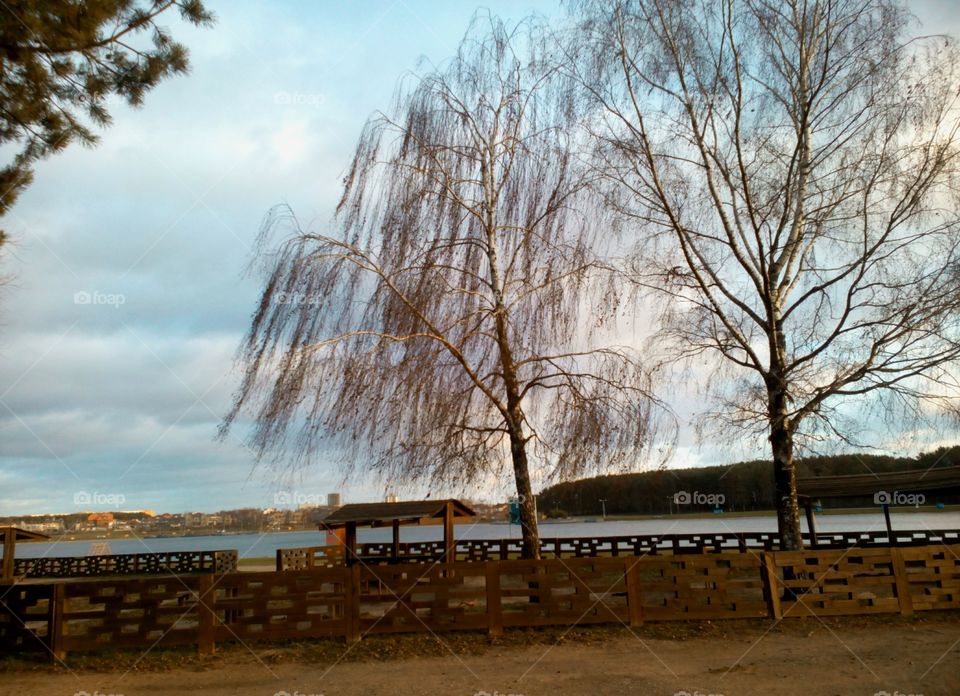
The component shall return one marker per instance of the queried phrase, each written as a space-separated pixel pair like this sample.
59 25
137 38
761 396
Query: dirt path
803 657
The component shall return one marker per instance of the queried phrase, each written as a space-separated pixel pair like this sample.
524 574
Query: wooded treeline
744 485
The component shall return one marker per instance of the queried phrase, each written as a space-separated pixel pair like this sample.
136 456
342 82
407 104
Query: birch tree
793 164
446 329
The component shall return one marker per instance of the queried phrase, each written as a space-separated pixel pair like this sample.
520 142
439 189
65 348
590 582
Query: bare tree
445 330
795 165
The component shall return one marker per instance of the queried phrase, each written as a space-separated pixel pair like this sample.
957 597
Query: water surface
266 545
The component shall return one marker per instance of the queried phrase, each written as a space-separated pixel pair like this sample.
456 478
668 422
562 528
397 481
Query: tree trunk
784 473
528 504
514 413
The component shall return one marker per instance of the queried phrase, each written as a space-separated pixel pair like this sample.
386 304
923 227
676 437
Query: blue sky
126 299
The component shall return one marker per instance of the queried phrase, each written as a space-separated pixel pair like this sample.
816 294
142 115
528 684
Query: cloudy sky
126 298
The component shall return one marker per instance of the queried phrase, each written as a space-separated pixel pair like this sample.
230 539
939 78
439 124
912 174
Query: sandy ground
890 655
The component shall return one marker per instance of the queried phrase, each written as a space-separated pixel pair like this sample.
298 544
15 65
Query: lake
266 545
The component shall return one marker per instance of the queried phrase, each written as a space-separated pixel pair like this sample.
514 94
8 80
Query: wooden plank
772 584
449 546
634 599
56 627
494 604
352 604
206 599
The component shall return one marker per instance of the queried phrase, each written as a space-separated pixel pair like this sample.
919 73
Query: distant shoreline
749 513
108 535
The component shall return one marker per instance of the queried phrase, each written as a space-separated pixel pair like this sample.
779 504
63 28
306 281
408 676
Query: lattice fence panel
824 583
130 613
295 559
475 550
708 586
25 615
563 591
292 604
933 576
311 557
416 597
640 545
176 562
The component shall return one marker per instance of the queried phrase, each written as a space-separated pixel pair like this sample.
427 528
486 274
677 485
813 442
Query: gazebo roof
17 534
406 512
943 479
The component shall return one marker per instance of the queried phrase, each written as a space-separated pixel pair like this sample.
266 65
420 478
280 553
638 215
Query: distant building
390 498
54 526
100 520
333 500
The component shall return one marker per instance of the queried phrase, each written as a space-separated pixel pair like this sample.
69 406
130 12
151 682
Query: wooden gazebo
413 512
939 480
10 536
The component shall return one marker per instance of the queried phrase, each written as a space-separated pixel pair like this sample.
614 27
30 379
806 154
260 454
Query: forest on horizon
745 486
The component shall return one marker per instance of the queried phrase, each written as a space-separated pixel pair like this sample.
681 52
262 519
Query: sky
125 295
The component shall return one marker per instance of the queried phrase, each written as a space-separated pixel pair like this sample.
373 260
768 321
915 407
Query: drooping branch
436 334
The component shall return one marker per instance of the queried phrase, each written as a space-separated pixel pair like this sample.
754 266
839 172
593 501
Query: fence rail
490 596
176 562
589 547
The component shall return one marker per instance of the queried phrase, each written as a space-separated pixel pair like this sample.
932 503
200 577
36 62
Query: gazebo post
449 550
9 544
886 518
396 539
811 522
351 543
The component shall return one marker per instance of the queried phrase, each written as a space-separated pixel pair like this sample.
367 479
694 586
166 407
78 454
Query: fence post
634 601
55 628
494 599
279 560
351 602
770 589
900 578
206 629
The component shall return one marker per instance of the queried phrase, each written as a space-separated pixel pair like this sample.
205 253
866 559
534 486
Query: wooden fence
26 617
355 601
178 562
310 557
589 547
